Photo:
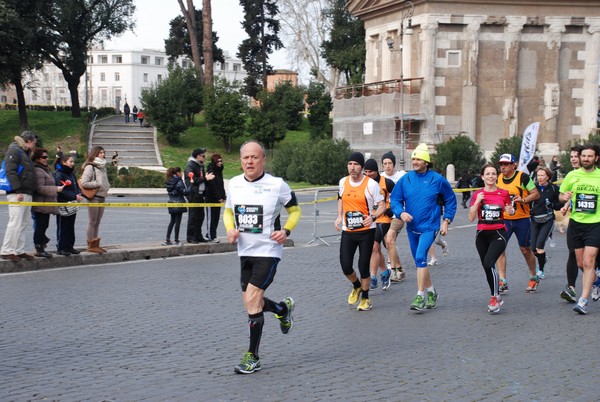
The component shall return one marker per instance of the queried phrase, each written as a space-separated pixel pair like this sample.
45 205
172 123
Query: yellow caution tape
137 204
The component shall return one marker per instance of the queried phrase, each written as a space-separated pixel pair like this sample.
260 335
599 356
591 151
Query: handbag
69 208
88 193
4 182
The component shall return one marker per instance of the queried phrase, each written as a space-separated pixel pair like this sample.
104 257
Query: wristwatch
448 221
287 232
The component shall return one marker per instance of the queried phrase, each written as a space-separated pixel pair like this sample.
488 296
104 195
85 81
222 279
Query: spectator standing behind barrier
65 225
554 167
115 159
415 200
195 181
215 193
46 191
94 177
23 186
464 181
176 191
126 111
134 113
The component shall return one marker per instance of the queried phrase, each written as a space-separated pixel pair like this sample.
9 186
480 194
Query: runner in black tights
488 205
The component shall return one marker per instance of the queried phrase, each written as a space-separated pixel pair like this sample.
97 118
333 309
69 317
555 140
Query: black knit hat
371 164
358 158
389 155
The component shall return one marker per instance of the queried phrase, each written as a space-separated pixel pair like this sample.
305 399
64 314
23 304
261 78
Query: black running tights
490 245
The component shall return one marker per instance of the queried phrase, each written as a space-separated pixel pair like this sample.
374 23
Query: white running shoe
433 261
595 293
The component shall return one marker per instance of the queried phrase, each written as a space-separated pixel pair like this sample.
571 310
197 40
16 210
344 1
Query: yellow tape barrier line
135 204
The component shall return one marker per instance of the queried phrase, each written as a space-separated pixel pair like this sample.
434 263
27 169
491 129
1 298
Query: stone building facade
482 68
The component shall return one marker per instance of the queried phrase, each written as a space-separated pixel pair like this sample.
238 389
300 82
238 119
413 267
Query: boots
93 246
40 252
98 244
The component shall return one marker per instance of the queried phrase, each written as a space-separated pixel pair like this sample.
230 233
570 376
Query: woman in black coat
176 190
63 176
215 193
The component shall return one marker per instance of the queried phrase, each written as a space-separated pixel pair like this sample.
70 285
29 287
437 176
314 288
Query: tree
320 105
268 122
345 50
73 26
510 145
207 44
460 151
303 30
178 42
262 29
226 112
192 27
170 103
19 52
290 99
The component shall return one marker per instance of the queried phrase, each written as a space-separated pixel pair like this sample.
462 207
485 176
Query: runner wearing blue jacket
417 199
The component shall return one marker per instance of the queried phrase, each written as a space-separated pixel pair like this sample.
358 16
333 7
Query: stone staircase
136 145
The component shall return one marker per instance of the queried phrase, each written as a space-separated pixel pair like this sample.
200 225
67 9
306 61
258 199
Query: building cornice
368 9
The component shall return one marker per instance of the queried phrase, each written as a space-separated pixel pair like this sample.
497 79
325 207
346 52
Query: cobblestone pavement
173 329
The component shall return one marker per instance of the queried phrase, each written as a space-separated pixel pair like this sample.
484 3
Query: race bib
354 220
249 218
491 213
586 203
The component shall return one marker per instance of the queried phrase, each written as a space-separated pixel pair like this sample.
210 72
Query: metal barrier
316 237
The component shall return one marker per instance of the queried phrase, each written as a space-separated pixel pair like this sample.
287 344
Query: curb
115 254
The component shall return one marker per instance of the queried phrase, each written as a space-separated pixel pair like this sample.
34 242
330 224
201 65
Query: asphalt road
173 329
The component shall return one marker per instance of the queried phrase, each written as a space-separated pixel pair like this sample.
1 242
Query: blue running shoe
386 277
373 282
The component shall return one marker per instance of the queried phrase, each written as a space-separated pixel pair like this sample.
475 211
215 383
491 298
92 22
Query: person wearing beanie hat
416 200
358 197
383 225
358 158
195 181
522 190
388 161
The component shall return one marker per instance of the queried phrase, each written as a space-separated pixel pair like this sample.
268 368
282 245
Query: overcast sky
152 26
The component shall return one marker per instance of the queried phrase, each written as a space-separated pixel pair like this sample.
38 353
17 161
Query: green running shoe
418 303
248 365
286 321
431 299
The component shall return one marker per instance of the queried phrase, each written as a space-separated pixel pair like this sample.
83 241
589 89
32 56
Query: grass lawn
60 129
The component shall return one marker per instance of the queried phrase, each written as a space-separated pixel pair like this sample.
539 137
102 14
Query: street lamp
406 14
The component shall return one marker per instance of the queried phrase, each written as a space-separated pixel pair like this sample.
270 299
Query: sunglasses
505 163
219 161
44 157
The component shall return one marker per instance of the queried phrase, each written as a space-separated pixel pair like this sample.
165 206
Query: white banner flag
528 146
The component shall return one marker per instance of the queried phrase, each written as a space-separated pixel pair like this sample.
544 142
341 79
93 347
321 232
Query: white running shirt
256 208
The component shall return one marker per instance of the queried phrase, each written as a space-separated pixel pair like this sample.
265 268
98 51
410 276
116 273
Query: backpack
4 182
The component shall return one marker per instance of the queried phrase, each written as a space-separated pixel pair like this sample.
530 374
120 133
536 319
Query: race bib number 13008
249 218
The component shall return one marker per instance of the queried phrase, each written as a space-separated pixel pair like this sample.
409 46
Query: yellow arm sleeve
294 217
228 219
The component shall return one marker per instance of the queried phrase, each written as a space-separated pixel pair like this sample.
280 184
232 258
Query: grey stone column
549 127
428 53
510 110
589 110
469 95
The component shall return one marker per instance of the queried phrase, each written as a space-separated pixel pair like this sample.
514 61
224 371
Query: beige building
482 68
